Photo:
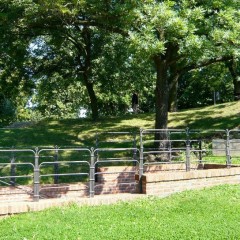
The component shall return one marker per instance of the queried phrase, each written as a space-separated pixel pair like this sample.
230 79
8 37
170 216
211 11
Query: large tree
15 82
114 74
180 36
65 39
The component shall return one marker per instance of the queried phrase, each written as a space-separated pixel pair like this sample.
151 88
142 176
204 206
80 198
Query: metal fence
57 163
154 147
164 146
12 159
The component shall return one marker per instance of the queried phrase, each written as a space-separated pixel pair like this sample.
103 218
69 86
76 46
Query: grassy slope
221 116
77 132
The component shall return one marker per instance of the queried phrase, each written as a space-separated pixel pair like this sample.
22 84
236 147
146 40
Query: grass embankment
81 132
207 214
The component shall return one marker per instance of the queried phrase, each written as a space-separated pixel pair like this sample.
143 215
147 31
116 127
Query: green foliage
118 74
204 214
181 36
7 111
197 87
15 82
93 54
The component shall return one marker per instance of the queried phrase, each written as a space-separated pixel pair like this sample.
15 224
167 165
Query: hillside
79 132
220 116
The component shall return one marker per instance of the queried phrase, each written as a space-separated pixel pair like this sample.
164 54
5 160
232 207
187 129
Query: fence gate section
58 167
116 162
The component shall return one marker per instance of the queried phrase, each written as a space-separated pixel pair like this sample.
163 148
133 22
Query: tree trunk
172 104
235 76
173 80
92 96
166 77
86 69
162 97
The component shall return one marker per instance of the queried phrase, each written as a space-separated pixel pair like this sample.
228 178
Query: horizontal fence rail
131 153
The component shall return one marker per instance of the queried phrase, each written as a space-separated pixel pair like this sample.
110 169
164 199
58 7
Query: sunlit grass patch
211 213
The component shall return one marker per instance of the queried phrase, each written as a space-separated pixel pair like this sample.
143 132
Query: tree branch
204 64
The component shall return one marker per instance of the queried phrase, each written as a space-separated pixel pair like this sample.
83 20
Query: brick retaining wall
25 193
110 180
167 182
113 180
160 180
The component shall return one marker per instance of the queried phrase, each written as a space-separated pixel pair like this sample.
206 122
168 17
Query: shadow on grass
223 116
82 132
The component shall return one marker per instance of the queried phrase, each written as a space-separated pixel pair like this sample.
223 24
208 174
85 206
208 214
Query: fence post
141 161
92 174
228 156
134 150
169 147
188 147
200 151
56 166
13 169
96 153
36 180
188 155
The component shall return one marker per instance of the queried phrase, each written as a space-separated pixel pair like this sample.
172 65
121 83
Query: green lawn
211 213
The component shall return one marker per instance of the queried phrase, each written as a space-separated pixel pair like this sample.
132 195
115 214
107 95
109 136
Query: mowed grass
211 213
82 132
